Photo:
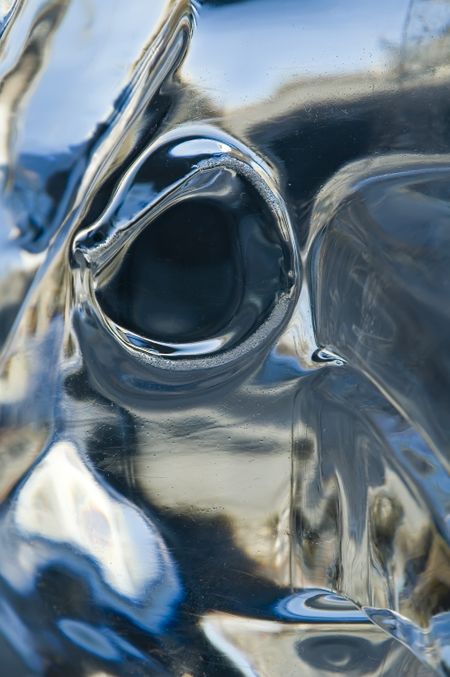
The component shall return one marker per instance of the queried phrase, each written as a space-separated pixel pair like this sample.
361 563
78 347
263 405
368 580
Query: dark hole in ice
204 268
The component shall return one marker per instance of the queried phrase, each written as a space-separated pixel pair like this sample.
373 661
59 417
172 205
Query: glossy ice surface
224 331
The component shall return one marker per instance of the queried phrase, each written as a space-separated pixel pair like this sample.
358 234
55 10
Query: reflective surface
224 379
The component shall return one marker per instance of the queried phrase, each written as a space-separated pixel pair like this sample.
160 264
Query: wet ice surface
224 379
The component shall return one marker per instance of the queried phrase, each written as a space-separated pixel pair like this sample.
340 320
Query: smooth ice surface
224 329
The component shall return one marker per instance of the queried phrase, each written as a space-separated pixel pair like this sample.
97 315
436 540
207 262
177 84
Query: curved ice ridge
378 274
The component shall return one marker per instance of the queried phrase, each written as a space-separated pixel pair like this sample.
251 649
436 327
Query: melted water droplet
325 356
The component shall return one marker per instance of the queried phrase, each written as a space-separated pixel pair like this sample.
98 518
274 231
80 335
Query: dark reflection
78 640
339 654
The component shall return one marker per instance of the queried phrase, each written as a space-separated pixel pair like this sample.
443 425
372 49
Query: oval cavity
209 269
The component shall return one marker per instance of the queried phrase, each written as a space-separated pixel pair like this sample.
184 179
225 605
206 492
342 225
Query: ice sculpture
224 271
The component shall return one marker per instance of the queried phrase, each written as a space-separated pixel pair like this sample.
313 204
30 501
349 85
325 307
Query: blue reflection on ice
63 514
